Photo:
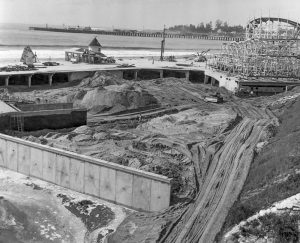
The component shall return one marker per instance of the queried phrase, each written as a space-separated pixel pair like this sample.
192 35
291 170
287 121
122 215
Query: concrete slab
5 108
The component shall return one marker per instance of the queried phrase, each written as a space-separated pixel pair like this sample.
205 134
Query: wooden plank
141 193
108 184
63 171
91 179
49 166
36 163
124 188
24 158
3 153
77 175
12 155
160 195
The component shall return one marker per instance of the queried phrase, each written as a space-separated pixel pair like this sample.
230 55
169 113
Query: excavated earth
164 126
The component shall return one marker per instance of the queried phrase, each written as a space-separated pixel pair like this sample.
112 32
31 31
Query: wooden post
205 79
187 75
6 80
29 80
135 74
161 73
69 76
50 78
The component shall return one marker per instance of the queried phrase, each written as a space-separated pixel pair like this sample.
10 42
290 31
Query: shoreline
12 57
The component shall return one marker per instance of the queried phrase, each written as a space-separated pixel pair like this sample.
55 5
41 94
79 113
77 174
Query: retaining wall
46 119
112 182
4 122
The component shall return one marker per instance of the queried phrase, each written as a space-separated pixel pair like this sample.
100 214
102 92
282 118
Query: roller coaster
270 50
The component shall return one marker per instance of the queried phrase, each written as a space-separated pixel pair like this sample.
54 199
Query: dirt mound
101 79
113 98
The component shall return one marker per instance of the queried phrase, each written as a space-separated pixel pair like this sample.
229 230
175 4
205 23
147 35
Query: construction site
177 146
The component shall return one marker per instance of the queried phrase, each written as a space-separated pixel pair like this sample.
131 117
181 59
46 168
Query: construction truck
216 98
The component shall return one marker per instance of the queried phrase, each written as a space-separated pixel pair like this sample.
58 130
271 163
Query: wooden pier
141 34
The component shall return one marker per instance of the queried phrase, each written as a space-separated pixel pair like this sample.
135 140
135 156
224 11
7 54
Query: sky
139 14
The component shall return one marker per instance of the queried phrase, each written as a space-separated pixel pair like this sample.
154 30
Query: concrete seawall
112 182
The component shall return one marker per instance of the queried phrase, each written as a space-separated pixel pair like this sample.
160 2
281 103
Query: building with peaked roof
28 57
92 54
95 46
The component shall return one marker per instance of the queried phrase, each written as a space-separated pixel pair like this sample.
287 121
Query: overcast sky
136 14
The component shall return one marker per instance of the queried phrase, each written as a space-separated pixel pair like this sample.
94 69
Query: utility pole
162 49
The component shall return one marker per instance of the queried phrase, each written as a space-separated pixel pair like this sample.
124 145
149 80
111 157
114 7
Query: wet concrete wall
55 119
49 119
4 122
112 182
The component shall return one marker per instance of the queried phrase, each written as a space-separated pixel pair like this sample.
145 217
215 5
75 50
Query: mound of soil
101 79
113 98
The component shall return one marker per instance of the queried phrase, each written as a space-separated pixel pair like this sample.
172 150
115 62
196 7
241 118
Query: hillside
274 173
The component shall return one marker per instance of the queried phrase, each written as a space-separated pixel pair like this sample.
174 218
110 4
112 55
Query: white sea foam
13 55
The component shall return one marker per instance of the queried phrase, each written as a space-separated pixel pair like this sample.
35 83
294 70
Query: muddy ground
33 211
161 126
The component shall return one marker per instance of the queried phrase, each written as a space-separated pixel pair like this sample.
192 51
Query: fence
112 182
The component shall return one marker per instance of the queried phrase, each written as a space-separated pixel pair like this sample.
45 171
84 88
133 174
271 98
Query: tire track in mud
221 168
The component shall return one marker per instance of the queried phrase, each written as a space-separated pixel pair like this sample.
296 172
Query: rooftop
95 42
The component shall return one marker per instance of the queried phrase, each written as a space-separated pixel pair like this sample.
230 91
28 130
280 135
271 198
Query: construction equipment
201 56
216 98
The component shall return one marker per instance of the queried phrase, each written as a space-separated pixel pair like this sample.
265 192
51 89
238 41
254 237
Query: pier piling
50 76
6 80
29 80
161 73
187 75
135 74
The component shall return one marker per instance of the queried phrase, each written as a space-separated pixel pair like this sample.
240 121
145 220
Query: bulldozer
216 98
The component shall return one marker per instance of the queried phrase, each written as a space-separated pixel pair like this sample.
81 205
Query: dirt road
222 167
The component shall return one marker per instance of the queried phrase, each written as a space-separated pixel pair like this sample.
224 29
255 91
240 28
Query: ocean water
51 45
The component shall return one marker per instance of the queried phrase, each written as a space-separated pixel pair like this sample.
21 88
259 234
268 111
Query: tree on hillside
208 27
218 24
